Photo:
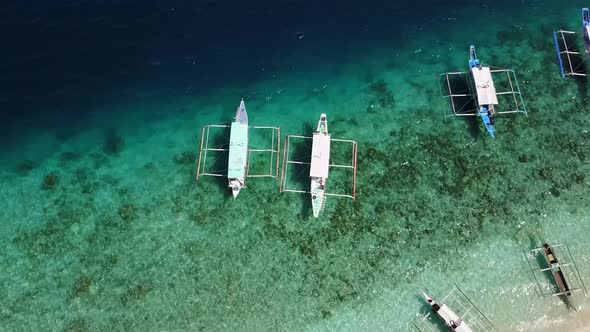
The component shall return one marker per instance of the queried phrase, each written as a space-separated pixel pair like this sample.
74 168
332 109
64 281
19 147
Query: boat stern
318 205
236 185
318 196
235 191
488 120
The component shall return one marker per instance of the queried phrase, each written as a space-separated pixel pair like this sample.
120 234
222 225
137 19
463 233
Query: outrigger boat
454 322
464 316
238 151
486 93
484 100
319 166
571 60
238 165
556 270
557 260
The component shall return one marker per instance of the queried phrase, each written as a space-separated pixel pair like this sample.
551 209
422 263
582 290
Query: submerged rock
127 212
49 182
25 167
113 143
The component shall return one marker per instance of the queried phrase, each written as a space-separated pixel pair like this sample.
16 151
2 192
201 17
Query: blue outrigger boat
586 29
479 97
485 111
570 60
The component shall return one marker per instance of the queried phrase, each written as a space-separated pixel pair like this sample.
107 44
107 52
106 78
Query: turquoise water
105 227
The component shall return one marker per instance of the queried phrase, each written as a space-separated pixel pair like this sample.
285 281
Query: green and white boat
239 152
320 164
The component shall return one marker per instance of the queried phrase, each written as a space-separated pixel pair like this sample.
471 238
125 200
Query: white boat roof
320 156
448 315
238 151
484 85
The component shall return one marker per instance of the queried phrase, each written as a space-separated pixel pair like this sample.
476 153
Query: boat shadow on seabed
217 162
299 174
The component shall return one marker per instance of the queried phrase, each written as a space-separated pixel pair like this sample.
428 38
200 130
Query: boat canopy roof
484 85
238 151
320 156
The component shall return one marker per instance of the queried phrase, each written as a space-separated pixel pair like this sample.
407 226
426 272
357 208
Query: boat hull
488 121
320 164
452 320
586 29
556 270
238 151
318 195
236 186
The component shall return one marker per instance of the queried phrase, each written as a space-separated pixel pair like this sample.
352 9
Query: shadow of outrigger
299 172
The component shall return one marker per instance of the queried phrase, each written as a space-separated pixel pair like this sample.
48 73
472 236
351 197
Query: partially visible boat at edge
586 29
452 320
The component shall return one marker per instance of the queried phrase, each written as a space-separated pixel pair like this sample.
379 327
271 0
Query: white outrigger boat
460 316
319 166
454 322
571 59
555 261
240 153
478 95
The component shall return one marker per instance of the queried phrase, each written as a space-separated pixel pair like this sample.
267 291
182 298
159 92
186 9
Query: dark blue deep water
66 56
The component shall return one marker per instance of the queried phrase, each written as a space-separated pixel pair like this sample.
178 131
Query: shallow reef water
106 228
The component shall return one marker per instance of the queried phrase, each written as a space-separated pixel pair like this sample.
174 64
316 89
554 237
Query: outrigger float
571 60
457 312
484 101
240 154
555 263
319 166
